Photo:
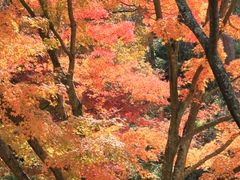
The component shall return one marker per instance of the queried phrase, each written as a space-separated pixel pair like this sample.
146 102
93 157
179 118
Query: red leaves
111 33
88 13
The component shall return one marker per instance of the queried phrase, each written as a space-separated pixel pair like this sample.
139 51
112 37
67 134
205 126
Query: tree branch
44 8
211 155
173 137
209 125
33 142
215 90
209 46
67 80
28 8
158 10
123 10
229 12
183 149
223 8
73 38
191 92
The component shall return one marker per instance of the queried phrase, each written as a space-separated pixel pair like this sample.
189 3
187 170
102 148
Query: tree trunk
184 146
73 99
9 158
33 142
39 151
173 137
60 75
209 45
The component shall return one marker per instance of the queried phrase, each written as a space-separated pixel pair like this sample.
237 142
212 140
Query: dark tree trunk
173 137
184 146
32 141
61 77
9 158
210 45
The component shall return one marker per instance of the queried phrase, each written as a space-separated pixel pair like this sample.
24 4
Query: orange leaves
191 67
143 143
115 89
143 86
170 28
233 28
234 67
206 76
100 172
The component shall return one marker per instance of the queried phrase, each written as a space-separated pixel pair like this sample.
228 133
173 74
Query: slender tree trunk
173 137
158 9
66 79
184 146
210 47
9 158
39 151
73 99
32 141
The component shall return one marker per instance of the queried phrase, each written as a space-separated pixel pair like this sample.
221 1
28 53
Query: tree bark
184 146
158 9
210 45
9 158
66 79
32 141
173 137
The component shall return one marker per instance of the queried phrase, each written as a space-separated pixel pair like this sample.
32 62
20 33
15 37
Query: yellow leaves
51 43
50 151
35 23
126 53
15 26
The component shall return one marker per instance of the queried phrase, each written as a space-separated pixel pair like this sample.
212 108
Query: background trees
82 97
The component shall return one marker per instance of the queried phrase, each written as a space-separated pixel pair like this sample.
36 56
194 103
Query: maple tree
81 99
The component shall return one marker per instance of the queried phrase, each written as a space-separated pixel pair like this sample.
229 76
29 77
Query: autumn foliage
80 98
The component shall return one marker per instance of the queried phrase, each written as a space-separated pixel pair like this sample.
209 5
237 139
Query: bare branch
73 39
209 125
28 8
158 10
229 12
223 8
124 10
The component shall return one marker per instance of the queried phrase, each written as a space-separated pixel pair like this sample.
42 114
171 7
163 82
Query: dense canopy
119 89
